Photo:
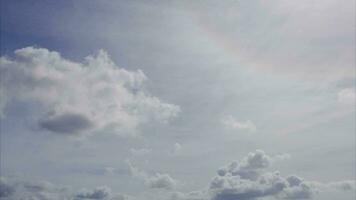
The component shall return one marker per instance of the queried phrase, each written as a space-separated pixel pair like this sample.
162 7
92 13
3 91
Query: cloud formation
248 179
80 97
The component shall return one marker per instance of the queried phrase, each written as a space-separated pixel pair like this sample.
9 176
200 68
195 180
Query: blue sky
149 100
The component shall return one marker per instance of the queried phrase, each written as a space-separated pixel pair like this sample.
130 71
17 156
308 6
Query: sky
177 100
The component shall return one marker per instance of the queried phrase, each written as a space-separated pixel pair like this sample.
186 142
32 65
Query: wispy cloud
232 123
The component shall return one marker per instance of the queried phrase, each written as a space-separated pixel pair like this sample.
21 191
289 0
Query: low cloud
249 179
15 189
231 123
102 192
80 97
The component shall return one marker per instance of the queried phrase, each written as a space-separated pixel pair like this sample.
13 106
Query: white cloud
232 123
248 179
80 97
346 96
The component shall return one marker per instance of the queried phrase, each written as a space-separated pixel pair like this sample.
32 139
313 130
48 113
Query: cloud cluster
80 97
156 181
11 189
249 179
15 189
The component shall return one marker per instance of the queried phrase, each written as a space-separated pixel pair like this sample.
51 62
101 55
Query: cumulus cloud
232 123
248 179
80 97
158 180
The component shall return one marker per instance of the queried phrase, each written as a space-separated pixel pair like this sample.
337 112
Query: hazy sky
177 100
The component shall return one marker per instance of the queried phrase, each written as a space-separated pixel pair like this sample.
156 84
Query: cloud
248 179
231 123
177 148
15 189
249 167
85 97
66 123
158 180
346 96
102 192
6 189
163 181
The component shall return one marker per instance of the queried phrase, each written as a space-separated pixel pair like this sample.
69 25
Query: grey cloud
102 192
343 185
13 189
16 189
249 167
67 123
6 189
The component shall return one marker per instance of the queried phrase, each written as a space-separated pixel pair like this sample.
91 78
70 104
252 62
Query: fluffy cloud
248 179
80 97
158 180
231 123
